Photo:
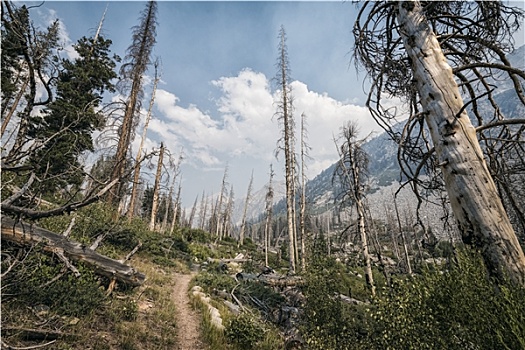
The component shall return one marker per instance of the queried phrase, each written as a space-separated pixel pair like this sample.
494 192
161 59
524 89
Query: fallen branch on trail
25 234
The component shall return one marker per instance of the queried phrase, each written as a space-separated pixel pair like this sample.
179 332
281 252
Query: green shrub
209 281
455 309
245 331
35 282
327 323
197 235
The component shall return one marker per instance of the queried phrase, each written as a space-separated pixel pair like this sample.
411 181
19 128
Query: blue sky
216 97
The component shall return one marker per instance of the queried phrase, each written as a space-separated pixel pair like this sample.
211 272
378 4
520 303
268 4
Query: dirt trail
188 320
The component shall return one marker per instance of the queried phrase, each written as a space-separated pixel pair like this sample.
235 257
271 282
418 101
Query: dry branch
25 234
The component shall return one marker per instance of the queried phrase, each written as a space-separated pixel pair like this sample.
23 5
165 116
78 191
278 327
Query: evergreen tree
69 121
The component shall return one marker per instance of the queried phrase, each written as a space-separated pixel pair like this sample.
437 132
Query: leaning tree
448 63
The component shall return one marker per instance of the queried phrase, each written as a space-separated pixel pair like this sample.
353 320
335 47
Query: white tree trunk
474 199
156 189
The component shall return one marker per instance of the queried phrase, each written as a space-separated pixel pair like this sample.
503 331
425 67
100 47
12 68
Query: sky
216 98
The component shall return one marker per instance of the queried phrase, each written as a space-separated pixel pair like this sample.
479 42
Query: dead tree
302 213
285 118
132 72
156 189
433 56
136 172
268 211
245 211
351 172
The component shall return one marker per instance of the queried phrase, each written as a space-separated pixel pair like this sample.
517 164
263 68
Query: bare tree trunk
176 209
156 189
286 118
203 211
228 213
192 213
352 162
167 205
218 208
144 39
28 235
403 238
12 110
302 213
268 224
473 195
394 239
246 203
138 161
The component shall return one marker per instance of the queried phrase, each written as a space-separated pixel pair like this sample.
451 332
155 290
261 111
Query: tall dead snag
138 57
302 213
218 207
176 209
136 172
193 211
245 211
228 215
268 211
414 63
156 189
350 172
202 211
285 118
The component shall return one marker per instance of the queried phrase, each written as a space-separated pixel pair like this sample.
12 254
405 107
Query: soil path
188 320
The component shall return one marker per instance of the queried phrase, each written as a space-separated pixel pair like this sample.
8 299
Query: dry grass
142 318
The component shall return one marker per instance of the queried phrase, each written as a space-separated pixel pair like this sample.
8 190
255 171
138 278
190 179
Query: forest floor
187 319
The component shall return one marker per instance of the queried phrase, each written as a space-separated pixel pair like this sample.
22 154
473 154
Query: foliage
327 322
453 309
69 120
197 235
34 282
210 281
244 330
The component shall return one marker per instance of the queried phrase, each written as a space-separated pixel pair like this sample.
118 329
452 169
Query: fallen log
26 234
281 281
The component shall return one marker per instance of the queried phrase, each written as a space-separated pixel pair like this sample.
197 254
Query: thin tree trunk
12 110
192 213
246 203
156 189
203 211
176 209
268 224
302 213
403 238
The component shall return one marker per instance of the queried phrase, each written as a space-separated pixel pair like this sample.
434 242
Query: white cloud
245 130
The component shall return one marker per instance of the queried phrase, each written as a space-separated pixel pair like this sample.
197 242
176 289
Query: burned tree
351 172
444 60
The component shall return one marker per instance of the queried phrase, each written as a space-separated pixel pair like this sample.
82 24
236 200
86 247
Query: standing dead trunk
302 213
268 209
351 170
138 160
156 190
176 209
403 239
475 202
246 203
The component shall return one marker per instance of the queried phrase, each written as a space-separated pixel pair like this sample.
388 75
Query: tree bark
475 202
136 172
156 189
25 234
246 203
